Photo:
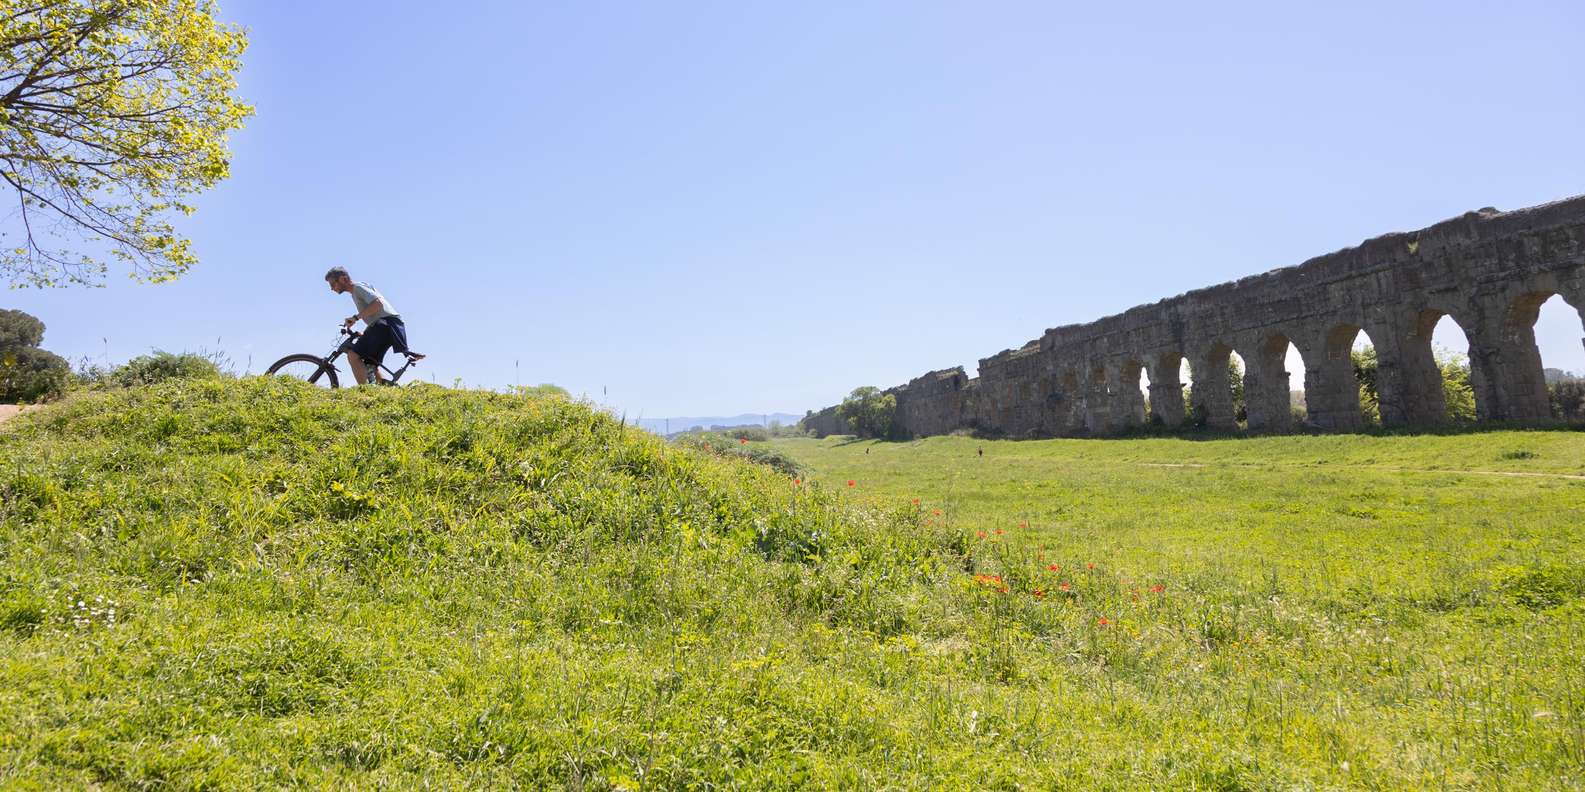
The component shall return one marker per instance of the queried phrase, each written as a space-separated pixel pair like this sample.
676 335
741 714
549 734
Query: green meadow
244 584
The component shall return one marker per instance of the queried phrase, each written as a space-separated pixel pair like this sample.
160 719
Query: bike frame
345 346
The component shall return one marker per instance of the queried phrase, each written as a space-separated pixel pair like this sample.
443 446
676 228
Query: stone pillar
1505 364
1072 410
1166 391
1097 404
1331 390
1266 389
1212 397
1408 383
1128 402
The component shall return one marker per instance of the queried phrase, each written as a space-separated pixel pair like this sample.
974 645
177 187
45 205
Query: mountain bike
321 371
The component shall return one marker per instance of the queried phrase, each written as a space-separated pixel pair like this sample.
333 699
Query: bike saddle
414 356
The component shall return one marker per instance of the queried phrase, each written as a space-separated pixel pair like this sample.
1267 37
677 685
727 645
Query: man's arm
368 311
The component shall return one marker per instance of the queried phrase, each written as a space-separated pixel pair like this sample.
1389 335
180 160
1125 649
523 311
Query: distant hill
662 425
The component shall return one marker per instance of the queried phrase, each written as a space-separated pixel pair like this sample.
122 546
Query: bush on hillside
162 366
29 375
543 390
730 444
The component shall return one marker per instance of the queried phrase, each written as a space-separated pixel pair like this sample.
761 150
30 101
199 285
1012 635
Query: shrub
543 390
162 366
730 444
28 374
1568 400
869 412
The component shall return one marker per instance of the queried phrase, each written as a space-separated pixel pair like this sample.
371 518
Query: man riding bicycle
383 328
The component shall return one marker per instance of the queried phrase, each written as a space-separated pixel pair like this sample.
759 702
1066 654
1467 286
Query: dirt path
8 411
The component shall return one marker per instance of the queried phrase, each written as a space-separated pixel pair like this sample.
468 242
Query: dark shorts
388 333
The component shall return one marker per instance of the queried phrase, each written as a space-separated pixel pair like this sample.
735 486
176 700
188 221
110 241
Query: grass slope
244 584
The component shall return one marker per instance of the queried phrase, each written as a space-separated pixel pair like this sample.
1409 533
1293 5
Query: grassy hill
244 584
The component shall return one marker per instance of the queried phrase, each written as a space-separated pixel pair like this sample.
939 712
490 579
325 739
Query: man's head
339 280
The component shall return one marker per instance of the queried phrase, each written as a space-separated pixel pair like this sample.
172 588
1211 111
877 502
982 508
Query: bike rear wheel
309 368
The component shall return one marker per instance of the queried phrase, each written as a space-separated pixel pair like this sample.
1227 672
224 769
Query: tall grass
252 583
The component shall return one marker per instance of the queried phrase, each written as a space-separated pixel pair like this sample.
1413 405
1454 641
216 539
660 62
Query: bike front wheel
309 368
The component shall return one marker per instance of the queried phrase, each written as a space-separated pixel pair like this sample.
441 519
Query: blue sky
711 208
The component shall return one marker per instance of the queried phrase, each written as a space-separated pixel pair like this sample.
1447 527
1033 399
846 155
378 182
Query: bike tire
316 372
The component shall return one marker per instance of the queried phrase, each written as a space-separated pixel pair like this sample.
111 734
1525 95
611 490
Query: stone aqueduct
1488 270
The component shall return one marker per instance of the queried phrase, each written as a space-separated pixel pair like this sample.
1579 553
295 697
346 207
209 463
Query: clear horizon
720 209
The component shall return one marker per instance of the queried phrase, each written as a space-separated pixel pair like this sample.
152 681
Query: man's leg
360 373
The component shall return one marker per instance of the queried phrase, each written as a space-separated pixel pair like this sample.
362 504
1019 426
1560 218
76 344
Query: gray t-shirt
363 294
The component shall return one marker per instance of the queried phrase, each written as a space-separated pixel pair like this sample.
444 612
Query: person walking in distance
382 326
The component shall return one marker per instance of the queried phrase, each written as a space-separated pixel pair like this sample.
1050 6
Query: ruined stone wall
1489 270
824 423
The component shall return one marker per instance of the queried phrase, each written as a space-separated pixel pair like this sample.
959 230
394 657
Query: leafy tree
27 373
1457 392
18 329
1568 399
1235 381
1456 389
112 112
869 412
1366 368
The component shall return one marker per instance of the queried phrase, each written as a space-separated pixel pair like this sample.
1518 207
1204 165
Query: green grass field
251 584
1368 611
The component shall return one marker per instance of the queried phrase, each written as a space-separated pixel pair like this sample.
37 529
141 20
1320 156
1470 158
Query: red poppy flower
1157 589
1103 621
798 482
742 441
1089 566
998 532
916 501
1064 586
1054 568
1023 525
1038 593
982 534
936 512
850 482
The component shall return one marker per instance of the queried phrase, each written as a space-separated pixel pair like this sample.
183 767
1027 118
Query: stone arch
1268 384
1333 392
1419 360
1510 358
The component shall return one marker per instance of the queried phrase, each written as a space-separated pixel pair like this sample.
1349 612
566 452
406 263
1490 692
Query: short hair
336 272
